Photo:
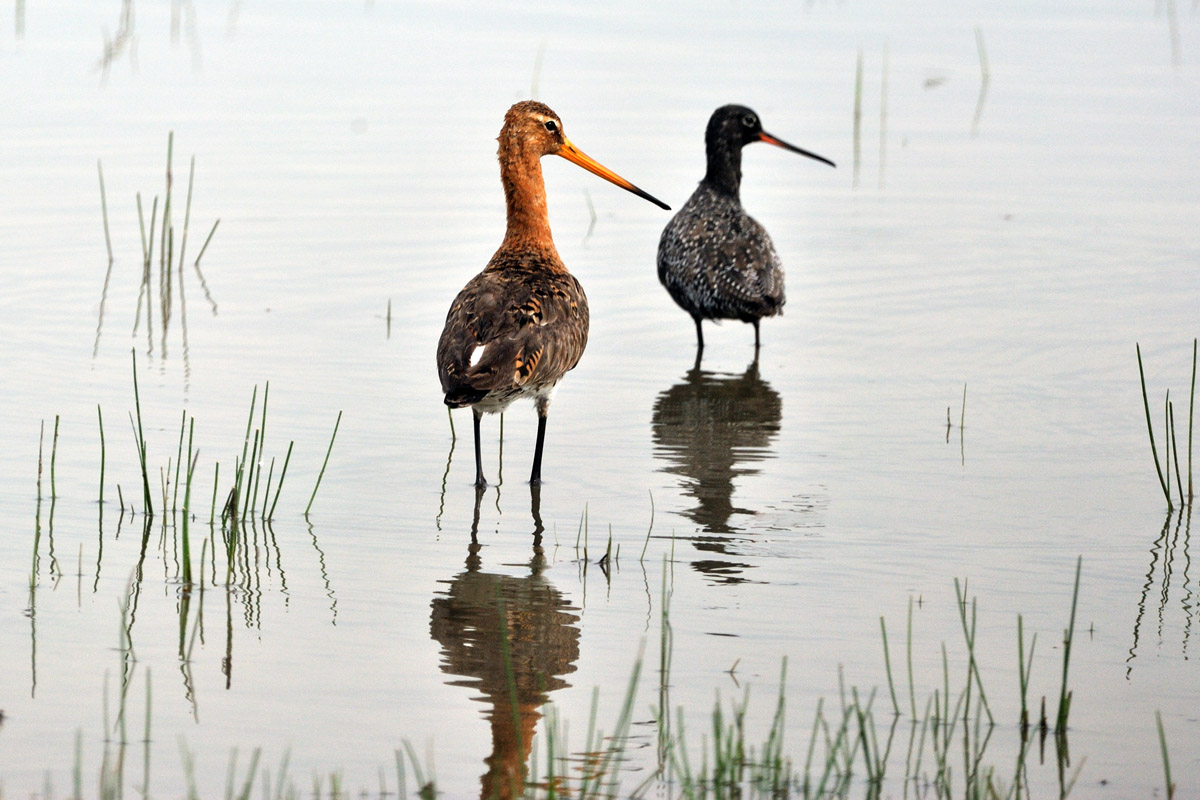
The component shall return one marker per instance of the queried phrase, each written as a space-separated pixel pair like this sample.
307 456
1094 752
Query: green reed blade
54 458
1167 440
324 464
141 440
262 445
212 509
37 529
969 637
241 465
150 246
1064 697
1162 743
142 225
163 480
165 278
1175 452
279 486
887 662
178 462
167 226
187 513
250 772
912 693
1024 669
418 773
1150 428
401 778
104 211
262 512
247 495
204 247
650 529
187 215
1191 419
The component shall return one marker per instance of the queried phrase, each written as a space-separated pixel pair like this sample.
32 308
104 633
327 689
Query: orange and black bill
576 156
769 139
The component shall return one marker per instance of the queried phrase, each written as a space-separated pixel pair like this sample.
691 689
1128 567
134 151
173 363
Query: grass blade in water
1150 429
1162 743
1064 697
1191 419
104 211
279 486
141 437
323 465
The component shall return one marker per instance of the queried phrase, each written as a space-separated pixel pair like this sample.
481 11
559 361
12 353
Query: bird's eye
749 121
551 126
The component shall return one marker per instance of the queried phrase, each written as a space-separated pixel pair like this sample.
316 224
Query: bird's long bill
576 156
769 139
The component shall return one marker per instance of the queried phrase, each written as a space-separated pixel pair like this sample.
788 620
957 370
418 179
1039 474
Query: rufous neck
525 194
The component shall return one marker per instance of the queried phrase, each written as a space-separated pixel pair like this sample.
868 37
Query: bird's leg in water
543 408
479 481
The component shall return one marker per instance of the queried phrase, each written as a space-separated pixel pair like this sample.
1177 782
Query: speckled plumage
517 327
717 262
714 259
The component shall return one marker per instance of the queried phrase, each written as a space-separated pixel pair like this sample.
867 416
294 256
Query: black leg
699 334
479 481
536 476
756 337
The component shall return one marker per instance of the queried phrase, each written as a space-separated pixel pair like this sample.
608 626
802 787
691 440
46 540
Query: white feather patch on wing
477 354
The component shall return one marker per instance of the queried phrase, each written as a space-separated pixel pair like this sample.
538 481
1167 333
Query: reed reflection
1170 553
512 638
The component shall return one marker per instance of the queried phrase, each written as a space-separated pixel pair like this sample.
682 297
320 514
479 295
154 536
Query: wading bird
713 258
517 327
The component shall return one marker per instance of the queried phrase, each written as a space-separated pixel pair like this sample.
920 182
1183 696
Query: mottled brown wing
511 332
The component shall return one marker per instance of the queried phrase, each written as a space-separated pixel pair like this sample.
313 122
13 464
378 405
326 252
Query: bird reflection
708 425
512 638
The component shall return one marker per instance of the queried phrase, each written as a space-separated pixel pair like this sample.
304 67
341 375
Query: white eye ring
551 126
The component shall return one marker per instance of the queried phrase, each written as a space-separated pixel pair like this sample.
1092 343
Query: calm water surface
1019 241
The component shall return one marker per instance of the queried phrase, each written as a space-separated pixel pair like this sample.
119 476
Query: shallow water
1020 243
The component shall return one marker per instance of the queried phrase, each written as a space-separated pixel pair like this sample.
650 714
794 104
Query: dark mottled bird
714 259
517 327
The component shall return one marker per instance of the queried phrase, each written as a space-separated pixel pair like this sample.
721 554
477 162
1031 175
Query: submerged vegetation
171 264
240 529
939 745
249 497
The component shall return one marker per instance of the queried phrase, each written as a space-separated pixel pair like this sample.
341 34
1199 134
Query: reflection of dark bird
489 624
715 261
708 424
517 327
